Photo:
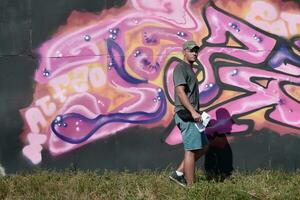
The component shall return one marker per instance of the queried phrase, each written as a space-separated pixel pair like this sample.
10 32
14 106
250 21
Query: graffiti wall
100 91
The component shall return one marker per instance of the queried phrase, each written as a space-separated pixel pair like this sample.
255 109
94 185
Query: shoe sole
173 179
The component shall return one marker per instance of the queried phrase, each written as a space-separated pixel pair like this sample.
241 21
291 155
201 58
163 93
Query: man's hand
196 116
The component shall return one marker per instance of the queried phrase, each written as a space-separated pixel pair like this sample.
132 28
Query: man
187 115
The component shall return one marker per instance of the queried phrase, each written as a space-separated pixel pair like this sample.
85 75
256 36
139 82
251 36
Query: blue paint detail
112 45
205 94
283 54
101 120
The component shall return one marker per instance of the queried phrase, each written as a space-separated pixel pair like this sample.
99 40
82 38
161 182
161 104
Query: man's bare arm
179 90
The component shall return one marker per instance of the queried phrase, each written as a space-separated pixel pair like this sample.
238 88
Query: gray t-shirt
184 75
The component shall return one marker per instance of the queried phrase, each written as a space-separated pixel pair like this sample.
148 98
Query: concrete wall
88 84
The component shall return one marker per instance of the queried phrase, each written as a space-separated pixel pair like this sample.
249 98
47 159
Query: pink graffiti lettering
115 71
256 48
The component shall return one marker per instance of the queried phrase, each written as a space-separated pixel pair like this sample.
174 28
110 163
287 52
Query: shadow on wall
218 160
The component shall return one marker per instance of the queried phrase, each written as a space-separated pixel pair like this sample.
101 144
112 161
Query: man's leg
189 166
198 155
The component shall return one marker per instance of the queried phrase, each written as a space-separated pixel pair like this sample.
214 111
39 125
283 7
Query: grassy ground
262 184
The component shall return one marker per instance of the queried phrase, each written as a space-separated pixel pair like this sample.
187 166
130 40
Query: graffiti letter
58 84
47 108
34 117
293 21
97 77
80 76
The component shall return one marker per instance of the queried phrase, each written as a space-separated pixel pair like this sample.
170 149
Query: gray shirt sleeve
179 76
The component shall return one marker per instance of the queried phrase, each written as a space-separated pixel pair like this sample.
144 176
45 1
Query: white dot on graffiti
59 54
234 72
137 53
87 38
179 33
58 118
234 26
258 40
46 73
135 21
111 35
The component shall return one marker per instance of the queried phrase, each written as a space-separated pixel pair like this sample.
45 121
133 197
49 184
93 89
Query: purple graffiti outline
145 117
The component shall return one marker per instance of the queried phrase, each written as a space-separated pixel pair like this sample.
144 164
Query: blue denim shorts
192 138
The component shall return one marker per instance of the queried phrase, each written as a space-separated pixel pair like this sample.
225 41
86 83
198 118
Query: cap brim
193 48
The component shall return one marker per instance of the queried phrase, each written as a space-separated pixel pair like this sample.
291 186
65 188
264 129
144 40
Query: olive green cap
190 44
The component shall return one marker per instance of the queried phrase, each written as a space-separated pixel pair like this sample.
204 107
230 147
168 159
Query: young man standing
187 115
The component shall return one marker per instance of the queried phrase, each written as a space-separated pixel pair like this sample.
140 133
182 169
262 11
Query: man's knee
190 152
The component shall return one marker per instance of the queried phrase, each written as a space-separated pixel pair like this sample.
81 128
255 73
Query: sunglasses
193 50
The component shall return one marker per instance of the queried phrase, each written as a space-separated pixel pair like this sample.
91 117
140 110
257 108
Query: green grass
261 184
